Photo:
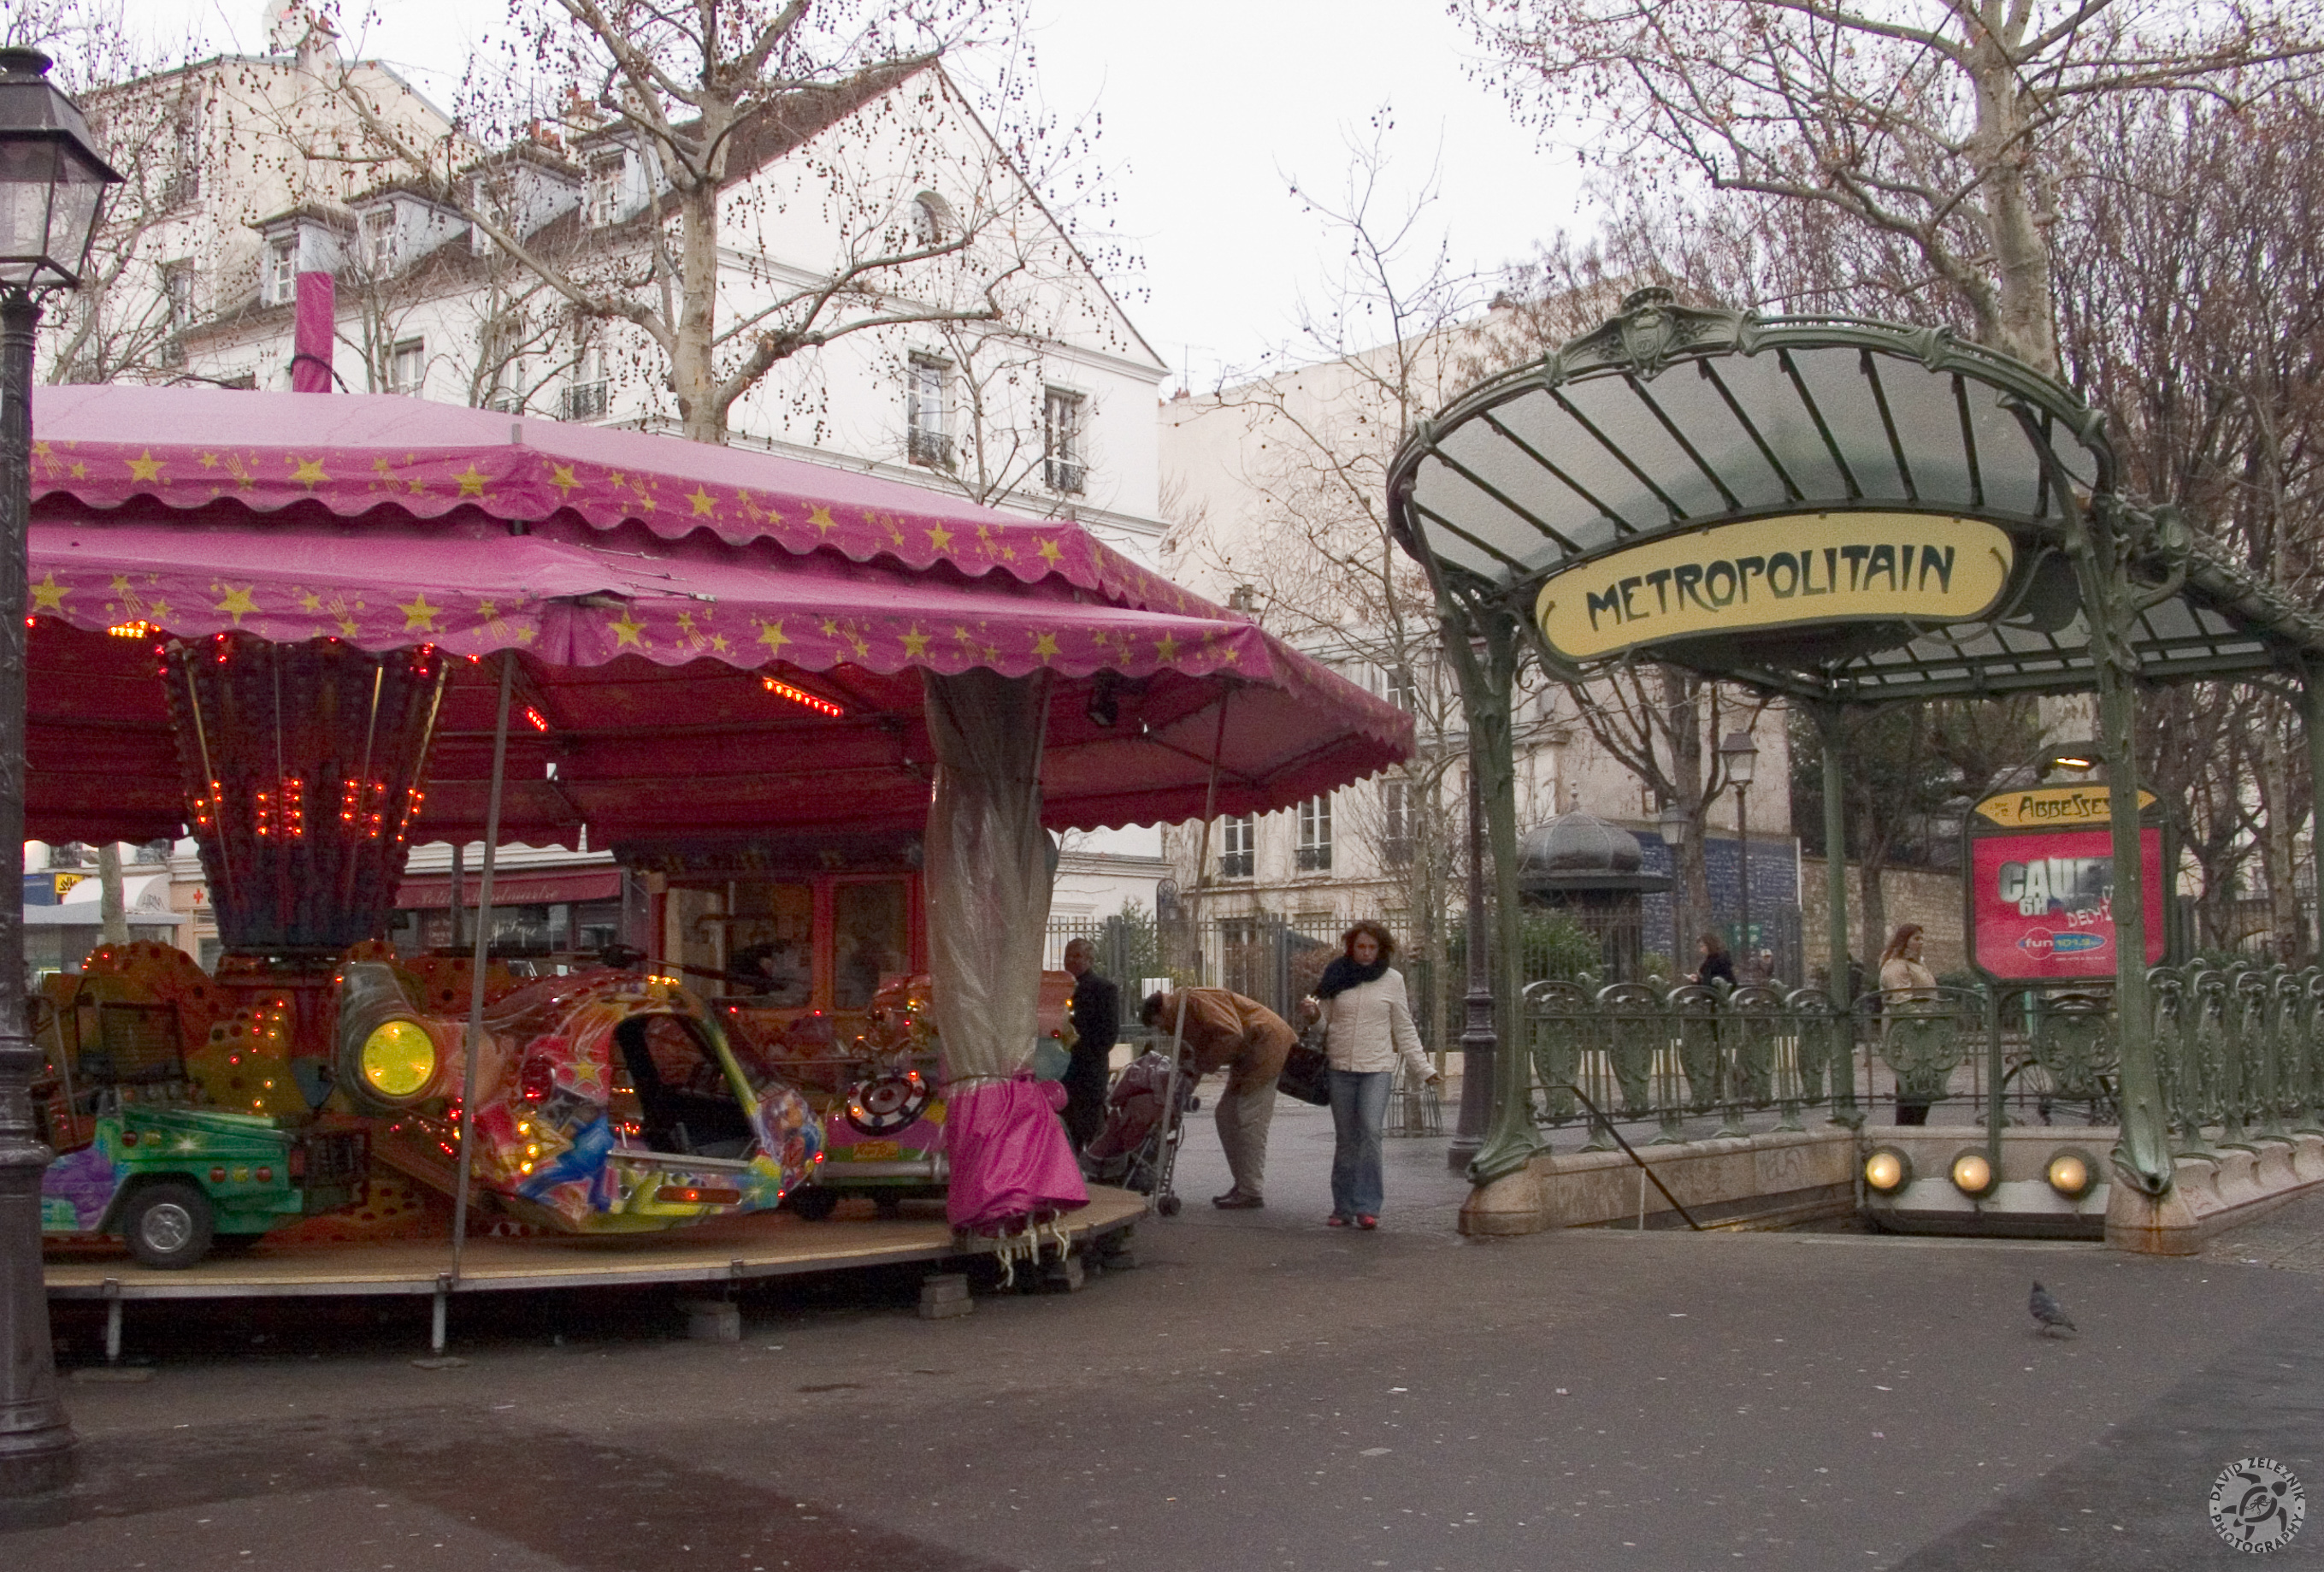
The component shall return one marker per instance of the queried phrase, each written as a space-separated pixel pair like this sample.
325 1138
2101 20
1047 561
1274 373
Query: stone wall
1934 900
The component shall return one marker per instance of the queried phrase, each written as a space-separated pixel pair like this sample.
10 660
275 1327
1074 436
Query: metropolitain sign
1799 569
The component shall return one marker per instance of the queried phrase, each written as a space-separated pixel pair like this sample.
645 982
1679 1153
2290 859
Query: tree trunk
1683 727
2275 844
693 368
1874 905
2024 318
111 912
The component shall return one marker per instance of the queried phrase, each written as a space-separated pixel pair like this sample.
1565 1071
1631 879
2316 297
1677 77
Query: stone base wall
1786 1170
2209 1196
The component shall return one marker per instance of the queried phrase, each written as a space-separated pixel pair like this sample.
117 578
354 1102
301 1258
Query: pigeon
2048 1312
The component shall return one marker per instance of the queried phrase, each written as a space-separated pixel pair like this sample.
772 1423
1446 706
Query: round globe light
1972 1174
2071 1175
1887 1172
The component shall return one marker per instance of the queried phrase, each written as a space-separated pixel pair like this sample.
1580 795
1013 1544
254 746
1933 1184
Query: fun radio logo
2042 943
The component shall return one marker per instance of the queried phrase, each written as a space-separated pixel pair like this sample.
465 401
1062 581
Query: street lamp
1673 823
1741 755
52 185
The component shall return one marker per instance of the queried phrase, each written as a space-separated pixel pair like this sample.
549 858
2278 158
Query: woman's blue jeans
1359 1104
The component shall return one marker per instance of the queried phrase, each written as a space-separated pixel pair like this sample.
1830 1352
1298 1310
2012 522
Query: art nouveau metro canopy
1821 506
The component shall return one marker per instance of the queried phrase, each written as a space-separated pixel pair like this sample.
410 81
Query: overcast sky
1209 108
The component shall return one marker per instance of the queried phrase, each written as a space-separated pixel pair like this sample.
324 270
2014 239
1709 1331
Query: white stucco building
250 170
1277 487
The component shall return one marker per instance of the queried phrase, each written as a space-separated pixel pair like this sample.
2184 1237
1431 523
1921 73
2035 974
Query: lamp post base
32 1489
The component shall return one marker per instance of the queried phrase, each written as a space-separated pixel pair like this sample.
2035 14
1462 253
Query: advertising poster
2041 904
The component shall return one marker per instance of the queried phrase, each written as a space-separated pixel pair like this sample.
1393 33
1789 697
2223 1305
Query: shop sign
2053 805
1781 572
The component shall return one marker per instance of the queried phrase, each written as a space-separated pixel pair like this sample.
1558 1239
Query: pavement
1259 1392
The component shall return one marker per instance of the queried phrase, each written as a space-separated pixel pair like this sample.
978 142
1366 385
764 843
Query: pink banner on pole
316 318
1010 1158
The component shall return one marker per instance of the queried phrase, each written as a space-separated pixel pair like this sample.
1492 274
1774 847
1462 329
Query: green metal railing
2240 1047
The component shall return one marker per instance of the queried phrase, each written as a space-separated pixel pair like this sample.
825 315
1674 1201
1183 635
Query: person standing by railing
1906 981
1367 1029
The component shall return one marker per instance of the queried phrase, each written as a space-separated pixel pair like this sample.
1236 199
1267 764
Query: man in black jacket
1097 1021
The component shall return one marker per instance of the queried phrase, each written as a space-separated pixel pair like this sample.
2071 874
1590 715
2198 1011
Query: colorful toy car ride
177 1182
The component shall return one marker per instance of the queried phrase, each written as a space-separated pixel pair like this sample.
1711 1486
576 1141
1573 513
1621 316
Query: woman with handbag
1367 1031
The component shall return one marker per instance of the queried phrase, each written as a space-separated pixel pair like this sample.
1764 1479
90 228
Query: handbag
1307 1075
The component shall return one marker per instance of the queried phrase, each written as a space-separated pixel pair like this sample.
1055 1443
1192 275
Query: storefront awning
551 889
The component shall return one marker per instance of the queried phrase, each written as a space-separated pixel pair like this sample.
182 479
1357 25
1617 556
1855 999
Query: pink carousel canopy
708 640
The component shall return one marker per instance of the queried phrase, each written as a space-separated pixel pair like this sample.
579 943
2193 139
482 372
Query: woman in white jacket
1367 1029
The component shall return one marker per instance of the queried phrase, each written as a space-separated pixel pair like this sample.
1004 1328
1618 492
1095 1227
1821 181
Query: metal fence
2240 1048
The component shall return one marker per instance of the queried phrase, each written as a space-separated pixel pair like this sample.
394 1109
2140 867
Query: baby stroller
1138 1150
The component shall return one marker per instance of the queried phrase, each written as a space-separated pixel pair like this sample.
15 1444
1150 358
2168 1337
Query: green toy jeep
143 1155
177 1182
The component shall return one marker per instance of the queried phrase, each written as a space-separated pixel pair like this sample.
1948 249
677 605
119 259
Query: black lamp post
1741 755
51 188
1673 825
1479 1042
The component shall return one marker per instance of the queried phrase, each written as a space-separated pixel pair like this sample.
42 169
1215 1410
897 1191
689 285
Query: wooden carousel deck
733 1250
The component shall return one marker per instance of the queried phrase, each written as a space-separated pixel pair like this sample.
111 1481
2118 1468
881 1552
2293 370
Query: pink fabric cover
1009 1153
316 322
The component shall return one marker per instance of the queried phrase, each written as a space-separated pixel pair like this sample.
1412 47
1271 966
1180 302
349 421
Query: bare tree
1941 128
121 324
931 213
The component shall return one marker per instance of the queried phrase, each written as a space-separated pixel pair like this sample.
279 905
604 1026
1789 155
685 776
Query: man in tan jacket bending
1243 1037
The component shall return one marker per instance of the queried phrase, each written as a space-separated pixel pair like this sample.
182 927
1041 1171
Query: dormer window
933 222
282 280
604 189
379 235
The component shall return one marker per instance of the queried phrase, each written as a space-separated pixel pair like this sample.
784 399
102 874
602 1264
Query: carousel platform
714 1255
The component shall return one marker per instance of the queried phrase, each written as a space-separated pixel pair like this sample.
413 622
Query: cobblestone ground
1259 1392
2291 1238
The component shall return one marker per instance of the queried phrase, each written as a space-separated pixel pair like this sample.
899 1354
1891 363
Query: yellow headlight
1972 1175
2068 1174
399 1059
1886 1172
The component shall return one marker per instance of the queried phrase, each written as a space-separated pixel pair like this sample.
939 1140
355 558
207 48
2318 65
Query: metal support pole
1743 873
2143 1150
36 1439
1477 1043
1486 676
2312 694
1168 1183
457 898
1835 877
482 955
2111 601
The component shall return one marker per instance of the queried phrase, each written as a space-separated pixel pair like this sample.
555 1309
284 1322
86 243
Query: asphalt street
1258 1393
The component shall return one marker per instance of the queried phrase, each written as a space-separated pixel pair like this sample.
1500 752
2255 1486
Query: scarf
1343 974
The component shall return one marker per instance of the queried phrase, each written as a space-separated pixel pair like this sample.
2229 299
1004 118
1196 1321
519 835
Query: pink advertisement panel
2042 905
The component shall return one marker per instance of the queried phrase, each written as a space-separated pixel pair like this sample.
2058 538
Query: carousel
828 722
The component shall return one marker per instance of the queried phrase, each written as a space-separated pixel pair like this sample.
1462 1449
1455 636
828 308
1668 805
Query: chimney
316 320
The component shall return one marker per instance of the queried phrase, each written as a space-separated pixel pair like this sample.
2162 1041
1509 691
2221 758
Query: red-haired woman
1367 1031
